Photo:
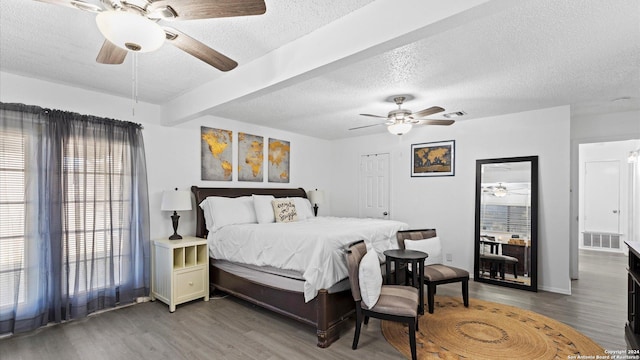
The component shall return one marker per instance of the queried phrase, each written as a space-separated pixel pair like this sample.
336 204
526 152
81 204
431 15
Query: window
12 217
511 219
95 210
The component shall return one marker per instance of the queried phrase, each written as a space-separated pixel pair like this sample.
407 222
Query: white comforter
314 247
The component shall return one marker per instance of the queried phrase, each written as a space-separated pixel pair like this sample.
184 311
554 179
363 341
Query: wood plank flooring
228 328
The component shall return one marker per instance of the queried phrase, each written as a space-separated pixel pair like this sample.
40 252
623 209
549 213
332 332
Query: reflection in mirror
506 222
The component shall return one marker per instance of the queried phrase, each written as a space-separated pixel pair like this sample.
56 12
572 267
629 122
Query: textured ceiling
531 55
60 44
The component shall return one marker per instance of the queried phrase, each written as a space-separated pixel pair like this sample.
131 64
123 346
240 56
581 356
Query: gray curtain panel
74 217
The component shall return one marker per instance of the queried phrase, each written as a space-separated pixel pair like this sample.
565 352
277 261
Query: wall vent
601 240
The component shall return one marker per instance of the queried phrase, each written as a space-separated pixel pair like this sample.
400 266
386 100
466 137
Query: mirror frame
534 222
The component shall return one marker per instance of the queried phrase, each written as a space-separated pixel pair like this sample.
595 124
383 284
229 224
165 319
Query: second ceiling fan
400 121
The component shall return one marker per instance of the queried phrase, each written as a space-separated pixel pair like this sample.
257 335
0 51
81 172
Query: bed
325 308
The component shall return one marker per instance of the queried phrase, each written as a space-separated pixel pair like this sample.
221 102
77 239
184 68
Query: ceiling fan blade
199 50
426 112
75 4
366 126
435 122
207 9
375 116
111 54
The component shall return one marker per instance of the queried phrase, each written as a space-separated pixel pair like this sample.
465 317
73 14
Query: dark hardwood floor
232 329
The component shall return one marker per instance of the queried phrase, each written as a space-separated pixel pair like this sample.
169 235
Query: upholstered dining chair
387 302
435 273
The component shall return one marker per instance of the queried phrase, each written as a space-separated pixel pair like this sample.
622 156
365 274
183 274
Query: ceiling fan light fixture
500 191
399 128
130 31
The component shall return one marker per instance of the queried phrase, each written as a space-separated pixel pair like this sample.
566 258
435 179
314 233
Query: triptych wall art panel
250 157
279 161
217 159
216 154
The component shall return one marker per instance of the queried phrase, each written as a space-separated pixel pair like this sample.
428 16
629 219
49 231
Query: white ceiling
512 56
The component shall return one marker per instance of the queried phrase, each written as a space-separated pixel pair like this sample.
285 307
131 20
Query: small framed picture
433 159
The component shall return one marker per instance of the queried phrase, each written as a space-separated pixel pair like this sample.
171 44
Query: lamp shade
316 196
130 31
176 200
399 128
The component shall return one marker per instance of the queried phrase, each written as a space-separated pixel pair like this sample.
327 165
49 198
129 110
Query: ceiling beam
375 28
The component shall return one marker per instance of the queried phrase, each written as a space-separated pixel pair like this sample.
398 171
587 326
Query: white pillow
284 210
303 208
370 277
431 246
227 211
264 209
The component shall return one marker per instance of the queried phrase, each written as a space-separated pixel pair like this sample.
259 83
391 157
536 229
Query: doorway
374 186
605 195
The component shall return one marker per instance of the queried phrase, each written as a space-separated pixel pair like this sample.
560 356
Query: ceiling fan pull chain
134 84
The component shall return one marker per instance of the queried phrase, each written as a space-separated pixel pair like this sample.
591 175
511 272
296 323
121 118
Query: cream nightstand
180 270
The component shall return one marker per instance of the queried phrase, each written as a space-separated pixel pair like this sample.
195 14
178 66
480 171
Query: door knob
385 213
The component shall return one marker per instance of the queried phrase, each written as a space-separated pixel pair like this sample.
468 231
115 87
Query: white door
374 186
602 197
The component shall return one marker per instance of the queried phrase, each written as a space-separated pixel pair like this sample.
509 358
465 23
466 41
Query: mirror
506 236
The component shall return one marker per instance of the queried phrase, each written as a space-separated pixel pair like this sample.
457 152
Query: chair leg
465 292
356 336
412 339
366 320
431 293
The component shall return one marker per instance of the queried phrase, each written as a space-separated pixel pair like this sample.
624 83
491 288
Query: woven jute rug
488 330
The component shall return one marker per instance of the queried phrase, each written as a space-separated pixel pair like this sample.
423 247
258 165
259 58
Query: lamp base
174 219
315 210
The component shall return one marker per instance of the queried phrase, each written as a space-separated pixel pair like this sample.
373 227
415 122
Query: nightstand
179 270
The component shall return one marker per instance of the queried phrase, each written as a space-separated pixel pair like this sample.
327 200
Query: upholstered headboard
202 193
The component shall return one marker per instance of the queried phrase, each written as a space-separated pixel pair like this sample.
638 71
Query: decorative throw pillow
370 277
431 246
284 210
263 208
303 208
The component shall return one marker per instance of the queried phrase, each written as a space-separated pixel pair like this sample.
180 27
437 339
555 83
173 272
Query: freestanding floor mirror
506 225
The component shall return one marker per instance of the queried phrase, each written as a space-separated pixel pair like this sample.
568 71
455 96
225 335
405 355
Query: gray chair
396 303
436 274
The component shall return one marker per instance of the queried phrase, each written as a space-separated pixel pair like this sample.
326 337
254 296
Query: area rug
488 330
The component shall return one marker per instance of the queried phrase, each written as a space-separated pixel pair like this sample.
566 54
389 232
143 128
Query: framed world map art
250 157
215 154
279 151
433 159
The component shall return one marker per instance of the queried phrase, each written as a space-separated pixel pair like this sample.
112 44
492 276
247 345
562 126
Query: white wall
448 203
591 129
173 160
173 153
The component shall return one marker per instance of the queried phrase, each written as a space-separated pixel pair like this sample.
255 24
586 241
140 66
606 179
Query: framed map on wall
433 159
250 157
215 154
279 151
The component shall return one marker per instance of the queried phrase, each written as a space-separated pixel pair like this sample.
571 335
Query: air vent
601 240
454 114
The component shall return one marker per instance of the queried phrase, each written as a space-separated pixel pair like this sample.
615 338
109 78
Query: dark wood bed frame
326 312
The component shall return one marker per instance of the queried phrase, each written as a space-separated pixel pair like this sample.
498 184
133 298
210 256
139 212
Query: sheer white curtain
74 231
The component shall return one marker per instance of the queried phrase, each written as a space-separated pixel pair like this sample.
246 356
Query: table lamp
176 200
316 197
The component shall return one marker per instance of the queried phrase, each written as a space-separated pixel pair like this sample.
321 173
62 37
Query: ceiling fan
400 121
133 25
